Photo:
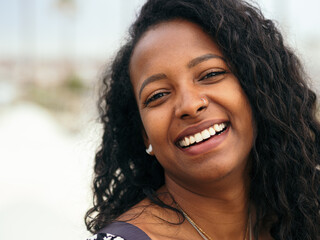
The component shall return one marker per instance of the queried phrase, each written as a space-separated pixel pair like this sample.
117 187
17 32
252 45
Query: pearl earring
149 149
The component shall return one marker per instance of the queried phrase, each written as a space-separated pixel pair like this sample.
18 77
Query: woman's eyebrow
151 79
203 58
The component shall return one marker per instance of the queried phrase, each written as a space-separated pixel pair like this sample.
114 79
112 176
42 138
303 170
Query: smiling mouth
203 136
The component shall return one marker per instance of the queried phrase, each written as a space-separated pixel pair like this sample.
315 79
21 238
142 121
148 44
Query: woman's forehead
170 40
171 31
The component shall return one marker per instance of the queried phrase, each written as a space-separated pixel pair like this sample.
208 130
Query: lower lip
206 146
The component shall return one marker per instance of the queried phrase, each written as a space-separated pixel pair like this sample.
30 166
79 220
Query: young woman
221 106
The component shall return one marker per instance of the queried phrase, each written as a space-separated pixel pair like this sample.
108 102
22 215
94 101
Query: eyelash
212 74
154 97
158 95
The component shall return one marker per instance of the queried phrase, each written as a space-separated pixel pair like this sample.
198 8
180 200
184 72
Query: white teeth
192 140
187 141
198 137
205 134
212 131
217 127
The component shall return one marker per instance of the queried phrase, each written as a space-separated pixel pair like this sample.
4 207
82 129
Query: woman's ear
147 143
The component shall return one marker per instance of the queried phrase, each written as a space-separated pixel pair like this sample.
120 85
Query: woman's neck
221 209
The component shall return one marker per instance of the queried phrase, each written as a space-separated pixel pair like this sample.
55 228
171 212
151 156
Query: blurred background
52 53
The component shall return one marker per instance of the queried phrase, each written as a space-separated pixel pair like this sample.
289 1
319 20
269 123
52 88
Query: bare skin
183 85
223 223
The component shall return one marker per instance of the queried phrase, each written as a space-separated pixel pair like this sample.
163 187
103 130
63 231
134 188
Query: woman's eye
154 97
212 74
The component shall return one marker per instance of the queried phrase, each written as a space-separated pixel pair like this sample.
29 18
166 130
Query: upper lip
198 128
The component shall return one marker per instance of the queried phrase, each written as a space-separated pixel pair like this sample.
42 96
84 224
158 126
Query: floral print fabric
105 236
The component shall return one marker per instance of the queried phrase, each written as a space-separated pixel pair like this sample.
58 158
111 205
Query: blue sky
96 27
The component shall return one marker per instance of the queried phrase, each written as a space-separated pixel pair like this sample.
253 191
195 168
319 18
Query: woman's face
194 111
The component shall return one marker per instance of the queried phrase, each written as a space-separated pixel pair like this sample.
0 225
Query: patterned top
120 231
105 236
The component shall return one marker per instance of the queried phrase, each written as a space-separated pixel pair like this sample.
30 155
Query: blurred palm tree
68 9
27 10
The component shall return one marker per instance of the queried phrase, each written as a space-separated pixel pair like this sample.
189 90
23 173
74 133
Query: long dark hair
284 177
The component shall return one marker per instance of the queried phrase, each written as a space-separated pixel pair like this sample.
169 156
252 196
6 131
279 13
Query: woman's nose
190 104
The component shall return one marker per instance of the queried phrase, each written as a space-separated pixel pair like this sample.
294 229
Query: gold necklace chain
204 235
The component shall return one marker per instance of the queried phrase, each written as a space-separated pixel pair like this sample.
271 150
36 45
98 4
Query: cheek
240 114
245 113
156 125
246 121
241 106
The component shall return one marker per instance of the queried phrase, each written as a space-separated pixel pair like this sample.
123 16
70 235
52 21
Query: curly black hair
286 154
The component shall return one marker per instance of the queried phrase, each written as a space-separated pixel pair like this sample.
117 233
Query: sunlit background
52 53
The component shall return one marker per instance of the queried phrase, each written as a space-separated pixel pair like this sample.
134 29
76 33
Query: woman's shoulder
120 231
